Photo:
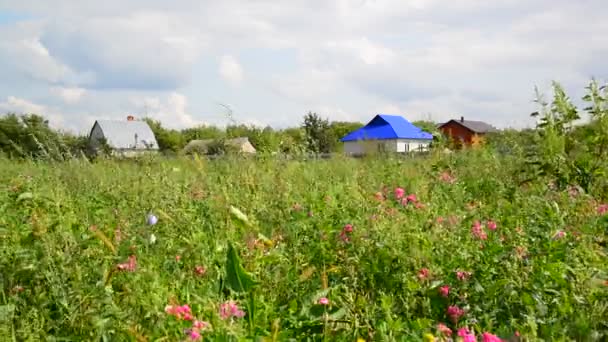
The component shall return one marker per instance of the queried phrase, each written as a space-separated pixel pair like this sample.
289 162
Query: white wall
390 145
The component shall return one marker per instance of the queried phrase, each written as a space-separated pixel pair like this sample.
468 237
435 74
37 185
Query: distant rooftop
475 126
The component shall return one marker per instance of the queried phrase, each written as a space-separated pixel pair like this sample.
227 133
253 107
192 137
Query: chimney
130 118
462 119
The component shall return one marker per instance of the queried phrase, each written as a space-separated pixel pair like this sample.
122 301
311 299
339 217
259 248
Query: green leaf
237 279
238 216
25 196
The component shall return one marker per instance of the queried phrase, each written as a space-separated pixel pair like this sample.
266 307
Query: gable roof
384 126
474 126
127 134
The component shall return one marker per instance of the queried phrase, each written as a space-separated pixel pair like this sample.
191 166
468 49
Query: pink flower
454 313
447 177
444 291
444 329
200 325
348 228
477 231
559 234
440 220
466 336
130 265
344 237
200 270
411 198
602 209
230 309
463 275
399 193
178 258
194 335
423 273
487 337
180 312
491 225
324 301
187 316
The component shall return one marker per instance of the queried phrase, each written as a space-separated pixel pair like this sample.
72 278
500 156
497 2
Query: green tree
319 138
167 139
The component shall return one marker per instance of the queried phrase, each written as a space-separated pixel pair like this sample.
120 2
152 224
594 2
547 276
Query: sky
184 62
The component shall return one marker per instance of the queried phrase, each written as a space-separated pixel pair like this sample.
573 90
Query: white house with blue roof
388 133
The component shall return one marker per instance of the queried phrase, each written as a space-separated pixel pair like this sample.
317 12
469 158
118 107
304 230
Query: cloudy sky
273 61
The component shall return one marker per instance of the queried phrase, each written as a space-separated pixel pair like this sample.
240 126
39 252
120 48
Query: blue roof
384 127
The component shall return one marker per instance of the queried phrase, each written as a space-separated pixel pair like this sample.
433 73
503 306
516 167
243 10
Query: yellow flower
360 340
428 337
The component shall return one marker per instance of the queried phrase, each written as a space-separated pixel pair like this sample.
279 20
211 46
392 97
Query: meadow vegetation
506 241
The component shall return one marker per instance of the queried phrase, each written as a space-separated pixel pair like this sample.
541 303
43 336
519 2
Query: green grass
60 280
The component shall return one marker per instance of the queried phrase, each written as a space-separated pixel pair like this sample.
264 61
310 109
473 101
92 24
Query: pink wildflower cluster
183 312
399 193
230 309
487 337
447 177
454 313
344 234
478 232
444 330
424 273
200 270
195 332
466 335
323 301
602 209
463 275
128 266
180 311
559 234
444 291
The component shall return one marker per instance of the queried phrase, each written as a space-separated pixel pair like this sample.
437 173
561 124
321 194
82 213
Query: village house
238 145
466 132
124 138
387 133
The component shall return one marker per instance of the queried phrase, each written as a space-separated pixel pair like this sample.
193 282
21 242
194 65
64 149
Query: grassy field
326 250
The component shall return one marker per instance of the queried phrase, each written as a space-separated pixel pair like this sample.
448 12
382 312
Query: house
466 131
125 138
387 133
240 145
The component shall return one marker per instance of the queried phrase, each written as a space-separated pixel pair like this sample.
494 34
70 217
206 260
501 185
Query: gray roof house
123 137
477 127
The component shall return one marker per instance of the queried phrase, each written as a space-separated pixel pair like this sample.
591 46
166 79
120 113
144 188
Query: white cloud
171 111
230 70
479 59
69 95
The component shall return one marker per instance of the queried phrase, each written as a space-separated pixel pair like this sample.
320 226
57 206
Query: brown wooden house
466 132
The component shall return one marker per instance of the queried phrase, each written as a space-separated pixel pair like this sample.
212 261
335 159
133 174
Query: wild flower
200 270
487 337
152 239
428 337
323 301
444 291
347 229
399 193
463 275
178 258
477 231
443 329
423 273
454 313
491 225
128 266
230 309
439 219
447 177
194 335
179 311
559 234
466 335
602 209
412 198
379 196
151 219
